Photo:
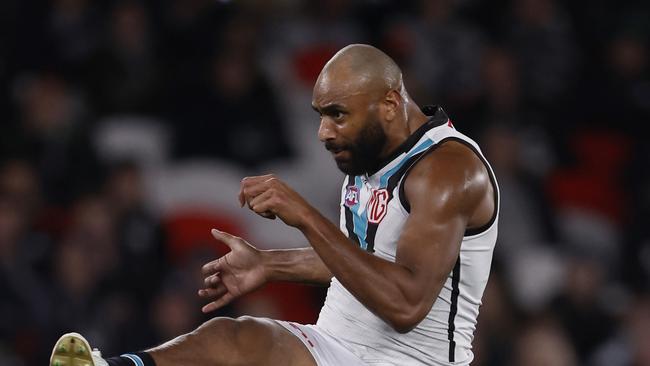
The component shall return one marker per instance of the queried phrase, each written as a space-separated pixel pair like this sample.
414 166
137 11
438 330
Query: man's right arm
295 265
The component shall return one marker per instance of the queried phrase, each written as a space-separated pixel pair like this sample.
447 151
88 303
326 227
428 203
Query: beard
363 152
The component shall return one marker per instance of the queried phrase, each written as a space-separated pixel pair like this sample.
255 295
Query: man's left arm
442 190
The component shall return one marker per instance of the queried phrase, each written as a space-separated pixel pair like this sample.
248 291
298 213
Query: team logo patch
351 196
377 206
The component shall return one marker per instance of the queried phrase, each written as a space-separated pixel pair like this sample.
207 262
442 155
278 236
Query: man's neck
414 118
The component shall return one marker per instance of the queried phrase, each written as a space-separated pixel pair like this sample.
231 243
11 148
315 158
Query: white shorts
326 350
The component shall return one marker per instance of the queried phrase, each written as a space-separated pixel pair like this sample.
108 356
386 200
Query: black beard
364 151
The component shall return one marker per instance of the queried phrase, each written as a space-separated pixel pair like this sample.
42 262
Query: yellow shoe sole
72 349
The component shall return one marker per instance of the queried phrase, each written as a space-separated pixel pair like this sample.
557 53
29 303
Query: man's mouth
337 152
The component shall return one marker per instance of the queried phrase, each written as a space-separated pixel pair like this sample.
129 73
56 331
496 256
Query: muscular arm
444 190
447 191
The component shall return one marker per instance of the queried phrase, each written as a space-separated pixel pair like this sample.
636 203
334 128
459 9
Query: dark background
126 126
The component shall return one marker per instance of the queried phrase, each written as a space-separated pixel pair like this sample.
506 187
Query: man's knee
214 328
217 329
237 337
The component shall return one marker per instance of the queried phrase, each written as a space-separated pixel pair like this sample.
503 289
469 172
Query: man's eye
338 115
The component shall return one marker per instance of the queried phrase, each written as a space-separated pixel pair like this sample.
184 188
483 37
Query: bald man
406 267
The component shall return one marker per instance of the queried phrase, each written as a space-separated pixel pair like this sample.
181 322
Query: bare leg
227 341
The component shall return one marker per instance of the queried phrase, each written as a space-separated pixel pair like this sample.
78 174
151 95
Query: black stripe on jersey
349 219
455 291
371 231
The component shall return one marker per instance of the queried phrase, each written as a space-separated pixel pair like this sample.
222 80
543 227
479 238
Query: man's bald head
360 68
365 112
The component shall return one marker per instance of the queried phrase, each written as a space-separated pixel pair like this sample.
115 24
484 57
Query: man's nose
326 130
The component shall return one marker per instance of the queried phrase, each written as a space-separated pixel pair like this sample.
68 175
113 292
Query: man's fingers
224 300
252 191
268 215
256 179
213 267
212 281
241 197
213 293
246 183
254 186
226 238
257 200
250 182
261 206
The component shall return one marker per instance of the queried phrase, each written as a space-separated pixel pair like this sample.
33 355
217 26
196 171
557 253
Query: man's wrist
308 218
267 263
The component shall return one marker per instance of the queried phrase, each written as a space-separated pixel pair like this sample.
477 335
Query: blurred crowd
127 125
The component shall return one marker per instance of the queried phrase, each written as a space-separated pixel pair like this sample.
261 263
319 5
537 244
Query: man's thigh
233 342
272 344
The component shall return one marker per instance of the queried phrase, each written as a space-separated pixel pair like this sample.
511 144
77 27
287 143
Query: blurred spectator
440 53
52 133
24 309
585 304
497 324
301 40
19 183
188 29
589 196
236 116
175 307
74 32
503 100
174 311
123 76
524 207
619 85
85 259
629 345
92 290
628 56
624 93
636 241
526 243
502 106
542 38
138 231
543 343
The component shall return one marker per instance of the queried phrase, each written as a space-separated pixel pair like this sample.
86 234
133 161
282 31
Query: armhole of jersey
401 194
468 232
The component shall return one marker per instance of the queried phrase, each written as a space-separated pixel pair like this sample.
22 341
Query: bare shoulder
451 174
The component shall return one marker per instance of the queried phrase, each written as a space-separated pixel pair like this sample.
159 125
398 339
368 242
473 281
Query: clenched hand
269 197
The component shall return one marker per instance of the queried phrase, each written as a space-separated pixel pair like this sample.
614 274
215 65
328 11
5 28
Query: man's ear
392 105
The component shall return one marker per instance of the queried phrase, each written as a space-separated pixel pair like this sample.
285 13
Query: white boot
72 349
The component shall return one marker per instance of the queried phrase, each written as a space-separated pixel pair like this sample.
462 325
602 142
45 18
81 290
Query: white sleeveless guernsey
373 212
